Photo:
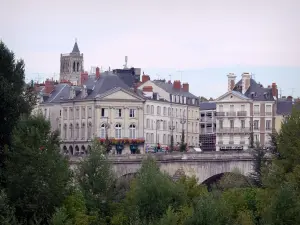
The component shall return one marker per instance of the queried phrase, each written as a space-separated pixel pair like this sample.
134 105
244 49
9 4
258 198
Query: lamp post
182 144
172 127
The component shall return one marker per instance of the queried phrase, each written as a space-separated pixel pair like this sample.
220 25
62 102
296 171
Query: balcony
242 142
231 142
256 113
220 142
208 130
233 130
218 114
206 120
242 113
268 113
231 114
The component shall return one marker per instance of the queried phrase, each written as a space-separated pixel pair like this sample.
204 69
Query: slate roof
106 82
261 93
169 88
75 48
284 107
207 105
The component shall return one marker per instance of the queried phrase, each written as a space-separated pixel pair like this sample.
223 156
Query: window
256 138
165 125
71 113
118 131
268 110
102 131
221 124
220 108
231 124
158 110
90 130
131 113
71 131
231 108
77 113
90 112
118 113
256 124
83 131
152 138
103 112
77 131
243 108
65 114
164 139
148 123
65 131
83 112
165 111
268 124
132 131
169 111
242 123
256 109
231 138
59 113
176 111
148 109
152 109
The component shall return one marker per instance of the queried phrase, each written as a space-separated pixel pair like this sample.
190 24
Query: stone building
245 113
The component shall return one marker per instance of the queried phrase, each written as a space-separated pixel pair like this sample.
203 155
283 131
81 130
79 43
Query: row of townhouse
105 105
247 114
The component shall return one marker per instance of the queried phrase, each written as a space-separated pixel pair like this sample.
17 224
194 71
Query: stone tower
71 66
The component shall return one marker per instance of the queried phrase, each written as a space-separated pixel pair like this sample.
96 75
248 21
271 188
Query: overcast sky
204 39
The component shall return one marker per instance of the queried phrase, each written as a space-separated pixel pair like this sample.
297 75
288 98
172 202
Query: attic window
231 96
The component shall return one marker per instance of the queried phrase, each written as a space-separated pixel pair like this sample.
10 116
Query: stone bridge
204 165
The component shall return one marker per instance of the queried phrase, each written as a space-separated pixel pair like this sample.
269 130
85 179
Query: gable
119 95
232 97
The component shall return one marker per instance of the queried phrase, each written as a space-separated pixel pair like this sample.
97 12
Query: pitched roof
106 82
284 107
75 48
260 93
169 88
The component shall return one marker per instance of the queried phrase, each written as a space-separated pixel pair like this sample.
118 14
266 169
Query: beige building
247 108
169 109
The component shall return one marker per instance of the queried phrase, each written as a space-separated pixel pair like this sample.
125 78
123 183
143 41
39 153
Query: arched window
158 110
71 131
77 131
65 150
74 66
148 109
76 150
71 150
118 130
83 131
102 131
90 130
83 150
169 111
78 67
132 131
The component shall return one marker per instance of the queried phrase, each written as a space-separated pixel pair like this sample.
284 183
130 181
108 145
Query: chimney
49 86
147 89
84 77
231 81
177 84
185 87
274 90
97 73
289 98
145 78
246 77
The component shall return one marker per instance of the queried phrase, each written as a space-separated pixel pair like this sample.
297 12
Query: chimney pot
49 86
97 73
177 84
83 77
231 81
246 77
185 87
145 78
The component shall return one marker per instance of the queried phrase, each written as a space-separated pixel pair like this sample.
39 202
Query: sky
205 39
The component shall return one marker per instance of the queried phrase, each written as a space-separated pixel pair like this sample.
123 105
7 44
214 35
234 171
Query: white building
169 109
247 108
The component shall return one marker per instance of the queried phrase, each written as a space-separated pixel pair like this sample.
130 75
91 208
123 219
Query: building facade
170 109
245 114
207 124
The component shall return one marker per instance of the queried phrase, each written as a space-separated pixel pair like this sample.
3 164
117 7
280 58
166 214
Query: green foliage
6 211
60 217
37 175
258 164
96 179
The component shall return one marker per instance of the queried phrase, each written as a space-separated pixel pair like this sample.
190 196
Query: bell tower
71 65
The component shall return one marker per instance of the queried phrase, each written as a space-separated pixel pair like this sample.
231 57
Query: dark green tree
182 143
37 175
16 98
258 164
97 179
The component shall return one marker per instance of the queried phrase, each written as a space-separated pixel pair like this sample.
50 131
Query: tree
182 144
6 211
172 143
37 175
259 161
96 179
15 97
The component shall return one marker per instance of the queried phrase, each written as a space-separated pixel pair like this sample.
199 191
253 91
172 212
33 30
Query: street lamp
172 128
251 138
